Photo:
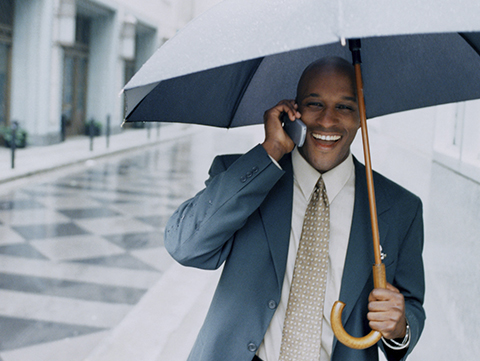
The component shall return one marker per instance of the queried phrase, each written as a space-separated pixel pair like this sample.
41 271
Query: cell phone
297 130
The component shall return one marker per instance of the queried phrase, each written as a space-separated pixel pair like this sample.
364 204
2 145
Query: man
249 219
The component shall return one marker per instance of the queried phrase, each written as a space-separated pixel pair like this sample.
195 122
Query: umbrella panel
400 74
209 97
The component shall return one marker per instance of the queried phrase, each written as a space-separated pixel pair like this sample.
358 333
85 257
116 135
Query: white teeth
331 138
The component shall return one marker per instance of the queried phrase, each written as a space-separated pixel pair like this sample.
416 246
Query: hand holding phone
297 130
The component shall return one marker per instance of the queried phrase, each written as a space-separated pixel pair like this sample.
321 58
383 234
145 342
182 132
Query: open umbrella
237 60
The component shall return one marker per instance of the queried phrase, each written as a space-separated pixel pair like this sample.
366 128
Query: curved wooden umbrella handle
358 343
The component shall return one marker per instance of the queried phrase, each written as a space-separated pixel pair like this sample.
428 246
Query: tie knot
320 192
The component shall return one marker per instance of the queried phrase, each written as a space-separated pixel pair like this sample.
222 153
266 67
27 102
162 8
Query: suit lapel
360 257
276 213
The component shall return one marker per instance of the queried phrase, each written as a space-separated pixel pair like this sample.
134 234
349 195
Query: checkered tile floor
78 252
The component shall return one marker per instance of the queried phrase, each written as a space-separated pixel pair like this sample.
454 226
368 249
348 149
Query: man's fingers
277 142
387 329
379 306
293 113
387 311
390 322
285 106
392 288
383 294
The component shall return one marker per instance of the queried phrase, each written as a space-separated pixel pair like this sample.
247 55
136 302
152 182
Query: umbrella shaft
368 165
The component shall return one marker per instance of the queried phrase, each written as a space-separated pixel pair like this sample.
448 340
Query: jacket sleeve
409 278
201 231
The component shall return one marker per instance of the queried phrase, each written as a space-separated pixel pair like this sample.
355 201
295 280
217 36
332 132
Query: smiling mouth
327 138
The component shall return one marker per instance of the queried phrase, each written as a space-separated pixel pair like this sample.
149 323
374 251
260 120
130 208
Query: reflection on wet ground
80 249
78 252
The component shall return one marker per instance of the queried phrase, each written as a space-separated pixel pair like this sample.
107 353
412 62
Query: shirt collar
307 176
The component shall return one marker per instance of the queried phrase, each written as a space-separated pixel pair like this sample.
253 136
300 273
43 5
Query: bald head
327 102
328 64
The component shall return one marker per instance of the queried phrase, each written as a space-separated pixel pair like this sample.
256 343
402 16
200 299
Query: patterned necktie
302 329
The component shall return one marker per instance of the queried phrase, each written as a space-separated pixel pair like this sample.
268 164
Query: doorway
75 74
75 70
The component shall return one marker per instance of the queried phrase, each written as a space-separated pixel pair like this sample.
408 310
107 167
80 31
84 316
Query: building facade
63 63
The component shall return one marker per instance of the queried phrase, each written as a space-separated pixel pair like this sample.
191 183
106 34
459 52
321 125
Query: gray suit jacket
242 219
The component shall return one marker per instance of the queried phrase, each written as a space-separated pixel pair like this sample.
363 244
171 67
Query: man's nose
328 117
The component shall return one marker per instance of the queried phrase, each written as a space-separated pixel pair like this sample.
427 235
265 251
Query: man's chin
322 161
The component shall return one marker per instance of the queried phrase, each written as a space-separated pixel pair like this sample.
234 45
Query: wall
31 65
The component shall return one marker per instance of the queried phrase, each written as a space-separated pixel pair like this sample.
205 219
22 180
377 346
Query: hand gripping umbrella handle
379 278
358 343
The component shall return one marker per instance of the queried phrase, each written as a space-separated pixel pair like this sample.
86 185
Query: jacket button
249 174
255 170
252 347
272 304
243 179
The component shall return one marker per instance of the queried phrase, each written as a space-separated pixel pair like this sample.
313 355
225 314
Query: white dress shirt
340 187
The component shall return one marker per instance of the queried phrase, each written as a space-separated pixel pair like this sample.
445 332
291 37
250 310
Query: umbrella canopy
240 58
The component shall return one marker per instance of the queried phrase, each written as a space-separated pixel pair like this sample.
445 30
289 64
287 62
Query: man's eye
314 104
345 107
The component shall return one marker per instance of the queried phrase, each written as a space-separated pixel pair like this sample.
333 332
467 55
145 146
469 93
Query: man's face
327 102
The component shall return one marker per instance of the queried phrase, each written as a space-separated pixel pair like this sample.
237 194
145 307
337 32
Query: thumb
392 288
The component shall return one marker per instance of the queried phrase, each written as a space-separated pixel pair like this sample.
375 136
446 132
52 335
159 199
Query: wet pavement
79 248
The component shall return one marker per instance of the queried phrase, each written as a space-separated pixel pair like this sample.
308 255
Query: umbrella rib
475 44
244 89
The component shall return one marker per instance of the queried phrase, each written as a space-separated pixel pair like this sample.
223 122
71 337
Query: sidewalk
34 160
164 324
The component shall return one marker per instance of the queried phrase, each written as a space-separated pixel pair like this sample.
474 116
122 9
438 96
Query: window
82 31
75 70
449 129
457 137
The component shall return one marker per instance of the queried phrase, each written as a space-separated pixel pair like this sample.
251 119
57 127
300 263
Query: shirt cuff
275 162
395 345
